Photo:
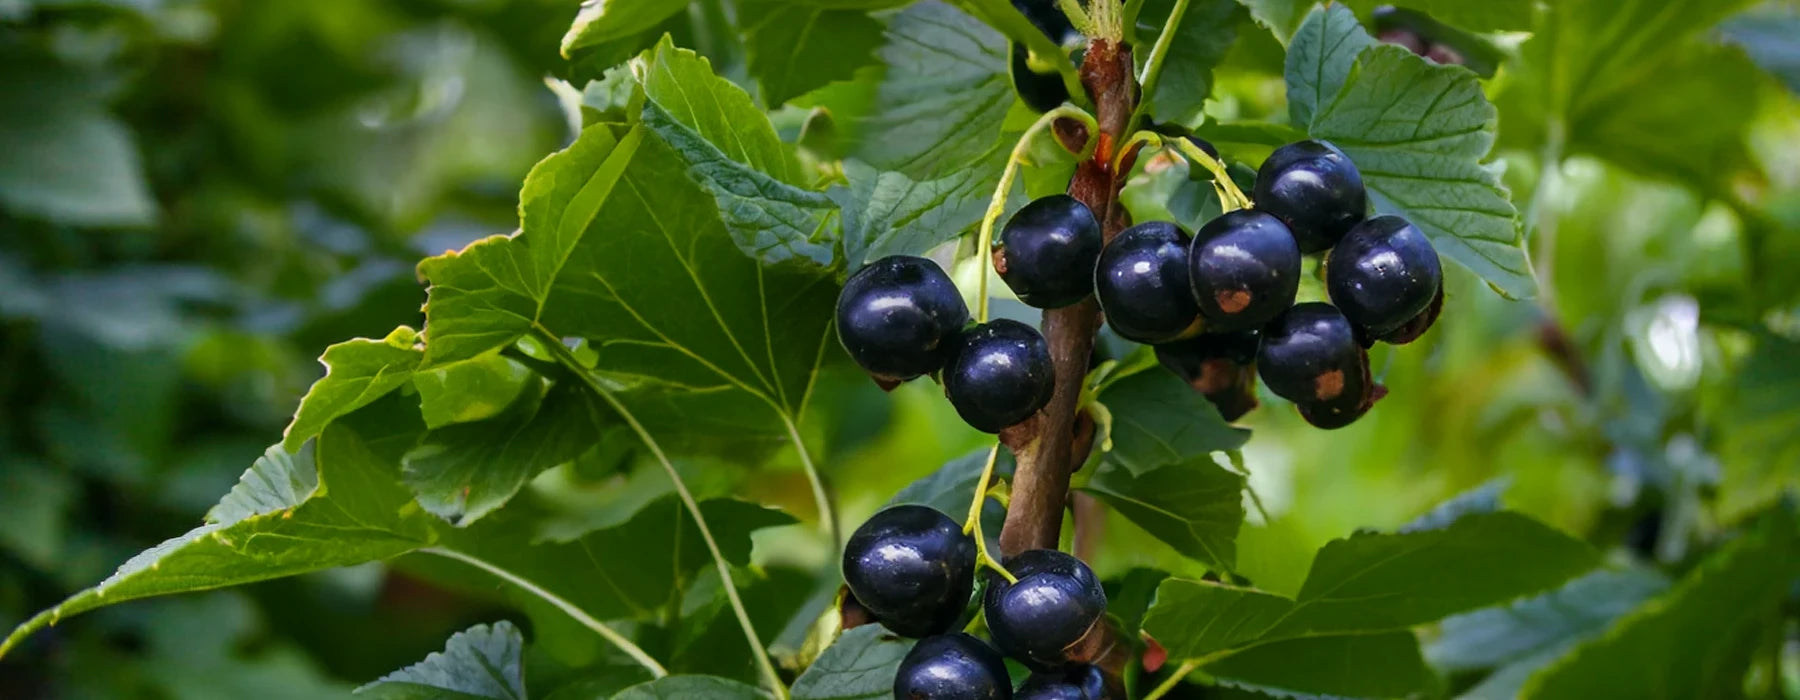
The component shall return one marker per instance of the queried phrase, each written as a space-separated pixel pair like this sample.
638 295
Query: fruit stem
1153 65
984 241
632 650
1237 465
1231 197
972 526
567 360
821 499
1173 680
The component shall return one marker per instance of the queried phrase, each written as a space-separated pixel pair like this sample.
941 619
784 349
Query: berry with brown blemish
1244 268
1310 356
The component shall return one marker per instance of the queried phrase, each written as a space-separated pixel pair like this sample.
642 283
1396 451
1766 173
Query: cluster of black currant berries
913 569
901 317
1220 304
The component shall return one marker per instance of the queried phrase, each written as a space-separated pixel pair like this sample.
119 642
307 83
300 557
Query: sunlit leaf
480 663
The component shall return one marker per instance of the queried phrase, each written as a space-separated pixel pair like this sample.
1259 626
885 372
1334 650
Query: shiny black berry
1383 274
1049 619
1314 189
1221 366
913 568
1041 92
897 316
1142 283
952 667
1244 268
1083 683
1310 356
999 374
1047 252
1411 330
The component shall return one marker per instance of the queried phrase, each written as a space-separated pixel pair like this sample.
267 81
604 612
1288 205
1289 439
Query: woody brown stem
1044 444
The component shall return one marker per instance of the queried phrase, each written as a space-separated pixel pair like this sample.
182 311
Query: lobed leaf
464 471
1698 636
268 527
1384 665
691 688
481 662
888 213
1319 60
943 95
600 21
1159 420
1506 634
860 665
796 47
357 372
1195 506
1418 132
1206 32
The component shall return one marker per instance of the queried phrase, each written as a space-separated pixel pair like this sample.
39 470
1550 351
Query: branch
1044 444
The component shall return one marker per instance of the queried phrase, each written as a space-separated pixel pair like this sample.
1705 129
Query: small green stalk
972 526
984 241
1158 53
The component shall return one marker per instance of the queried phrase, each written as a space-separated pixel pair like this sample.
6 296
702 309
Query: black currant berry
1221 366
999 374
1411 330
1314 189
897 316
952 667
1048 619
1244 268
1310 356
913 568
1047 251
1083 683
1383 274
1041 92
1142 283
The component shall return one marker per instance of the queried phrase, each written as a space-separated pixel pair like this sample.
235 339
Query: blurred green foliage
197 196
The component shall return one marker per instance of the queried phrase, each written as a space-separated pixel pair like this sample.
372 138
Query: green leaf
464 471
1490 16
357 372
796 47
733 153
67 159
1371 666
1418 132
479 662
1319 60
860 665
1696 639
1581 608
1371 582
951 487
1196 619
1194 506
691 688
1282 17
1621 78
600 21
943 97
473 390
620 247
629 569
889 213
719 112
1206 32
272 526
1158 419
